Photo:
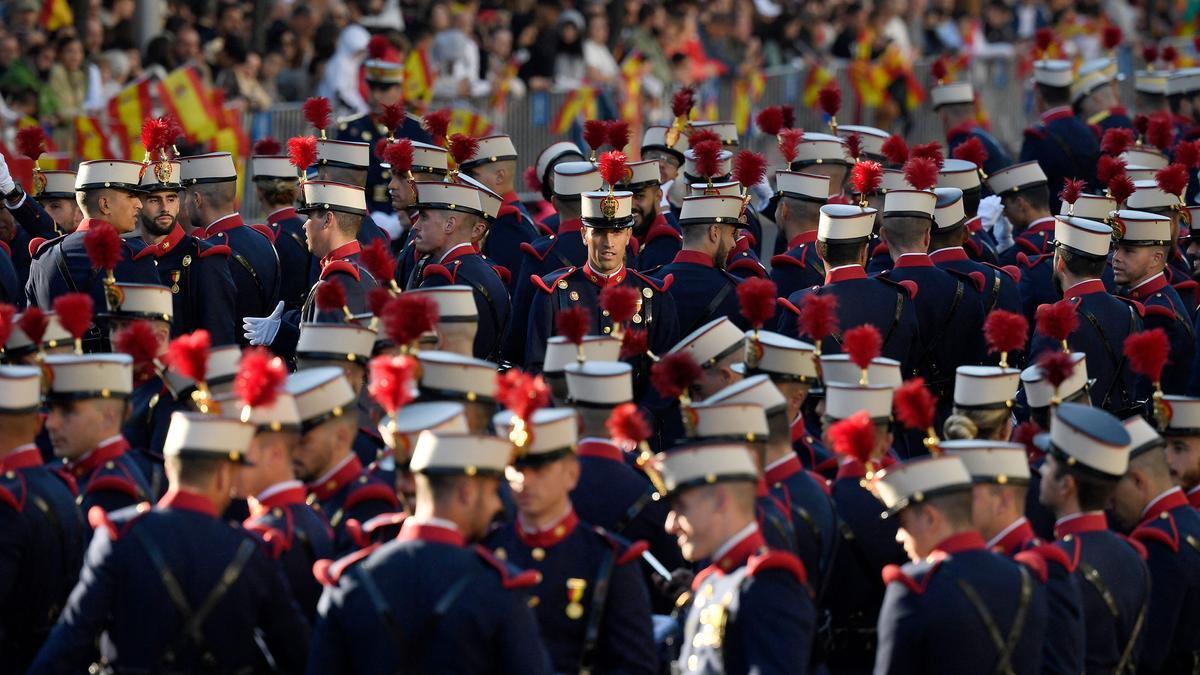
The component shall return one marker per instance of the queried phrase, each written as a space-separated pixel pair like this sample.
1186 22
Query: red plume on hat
103 246
818 317
916 407
895 150
789 143
1150 54
862 344
972 151
1116 140
617 134
674 373
7 312
267 146
1187 153
1107 168
921 173
1043 38
1159 131
156 137
756 300
866 177
378 47
377 299
1141 124
1057 321
531 179
392 117
1120 187
854 146
829 98
260 378
573 324
621 302
634 343
1056 367
770 120
707 159
407 316
1147 352
437 124
141 344
331 296
614 167
1005 332
1071 190
789 116
399 156
302 152
627 426
523 394
390 381
1170 55
377 258
74 311
31 142
703 135
1172 179
33 323
188 356
462 148
940 70
595 133
318 112
854 437
1111 36
682 102
749 169
931 151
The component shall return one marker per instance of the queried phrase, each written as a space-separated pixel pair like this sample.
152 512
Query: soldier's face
159 212
916 532
541 491
315 454
1052 491
693 518
79 426
65 213
379 95
1183 456
1132 264
400 192
121 209
1128 499
645 204
430 231
1193 251
726 236
668 165
606 247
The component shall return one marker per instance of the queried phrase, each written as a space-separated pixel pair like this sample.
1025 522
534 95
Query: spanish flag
55 14
418 80
230 136
127 110
580 102
91 141
817 77
468 123
187 99
747 91
499 98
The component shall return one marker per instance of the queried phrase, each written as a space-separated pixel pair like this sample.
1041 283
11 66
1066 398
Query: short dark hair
1082 265
955 506
836 254
971 199
945 237
1093 491
1034 194
1055 95
905 231
195 469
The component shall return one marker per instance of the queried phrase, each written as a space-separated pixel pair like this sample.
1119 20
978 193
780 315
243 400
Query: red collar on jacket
913 260
342 477
187 500
845 273
602 281
594 447
87 223
224 224
802 238
342 252
285 497
784 470
572 225
1168 501
1080 522
951 254
286 213
737 556
964 128
969 540
413 530
1089 287
458 252
693 257
168 242
1055 114
1193 496
1153 285
1043 224
98 456
510 197
550 536
1015 539
22 457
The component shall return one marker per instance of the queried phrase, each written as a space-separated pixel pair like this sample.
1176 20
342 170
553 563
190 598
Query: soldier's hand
679 583
262 330
7 184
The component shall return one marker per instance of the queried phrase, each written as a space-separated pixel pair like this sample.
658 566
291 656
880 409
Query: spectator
239 76
454 56
570 71
602 68
69 79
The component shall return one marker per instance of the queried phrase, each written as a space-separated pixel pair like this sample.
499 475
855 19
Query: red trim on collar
550 537
761 489
458 253
970 540
412 530
1193 497
1015 540
1119 110
342 252
286 213
850 468
600 449
951 254
224 224
510 197
1044 224
86 224
784 471
1089 287
693 257
912 260
186 500
845 273
740 553
1081 522
337 481
1055 114
1168 502
803 238
168 242
98 456
962 129
604 282
572 225
293 495
1151 287
22 459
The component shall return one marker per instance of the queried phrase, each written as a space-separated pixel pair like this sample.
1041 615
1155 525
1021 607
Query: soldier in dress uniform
749 609
1150 91
654 228
823 155
983 401
348 163
450 377
429 163
946 251
209 210
87 398
1139 265
980 243
591 599
842 236
1001 476
999 607
42 530
494 164
1094 96
276 185
1157 511
716 347
428 600
669 158
107 192
400 433
196 273
549 158
325 460
1081 247
212 600
450 212
1024 192
1087 452
458 317
954 103
1183 84
1060 143
1182 432
52 212
801 196
560 353
1149 196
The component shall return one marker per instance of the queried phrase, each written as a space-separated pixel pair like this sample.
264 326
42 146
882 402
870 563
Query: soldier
979 243
196 273
107 192
1087 452
1183 84
1161 519
1094 97
494 164
1000 285
823 155
1060 143
348 163
428 164
462 379
747 592
1081 247
400 434
1025 195
450 213
797 214
1157 197
1182 432
209 210
743 258
42 530
842 237
203 601
716 347
656 231
1001 476
1040 395
591 602
546 177
954 103
52 212
277 189
87 398
325 460
1139 265
702 288
669 158
458 317
1150 91
983 400
952 574
425 600
561 352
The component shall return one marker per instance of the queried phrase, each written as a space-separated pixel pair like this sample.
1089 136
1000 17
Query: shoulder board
265 230
507 210
897 574
384 520
354 530
1029 246
502 272
98 518
660 286
745 262
540 252
35 244
215 249
1035 563
749 238
785 259
880 249
975 278
111 483
43 248
507 579
662 230
542 228
7 497
328 572
1034 133
698 580
1148 533
1159 310
1137 546
908 286
820 481
1139 307
1012 271
974 225
1185 285
973 246
787 304
1053 554
147 252
435 269
626 551
277 542
777 560
67 478
547 282
345 267
367 492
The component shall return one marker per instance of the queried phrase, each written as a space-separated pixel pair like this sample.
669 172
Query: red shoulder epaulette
7 497
507 210
439 270
896 573
98 518
633 552
1033 132
1053 554
827 467
1028 245
384 520
216 249
521 580
1147 534
1035 563
1011 270
787 304
974 247
354 530
974 225
277 542
978 279
880 249
785 259
1139 307
703 574
35 244
371 492
549 288
661 288
531 250
112 484
820 480
660 230
69 479
346 267
910 286
502 272
1138 547
264 230
777 560
748 237
1159 310
327 572
744 261
148 252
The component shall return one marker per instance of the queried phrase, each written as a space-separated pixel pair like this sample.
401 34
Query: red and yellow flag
747 91
188 100
580 102
818 76
127 110
91 141
500 90
418 81
55 14
468 123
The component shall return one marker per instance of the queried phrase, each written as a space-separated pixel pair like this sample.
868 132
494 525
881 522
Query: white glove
991 212
262 330
389 222
6 180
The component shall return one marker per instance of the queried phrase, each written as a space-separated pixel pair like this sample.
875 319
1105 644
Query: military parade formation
404 425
